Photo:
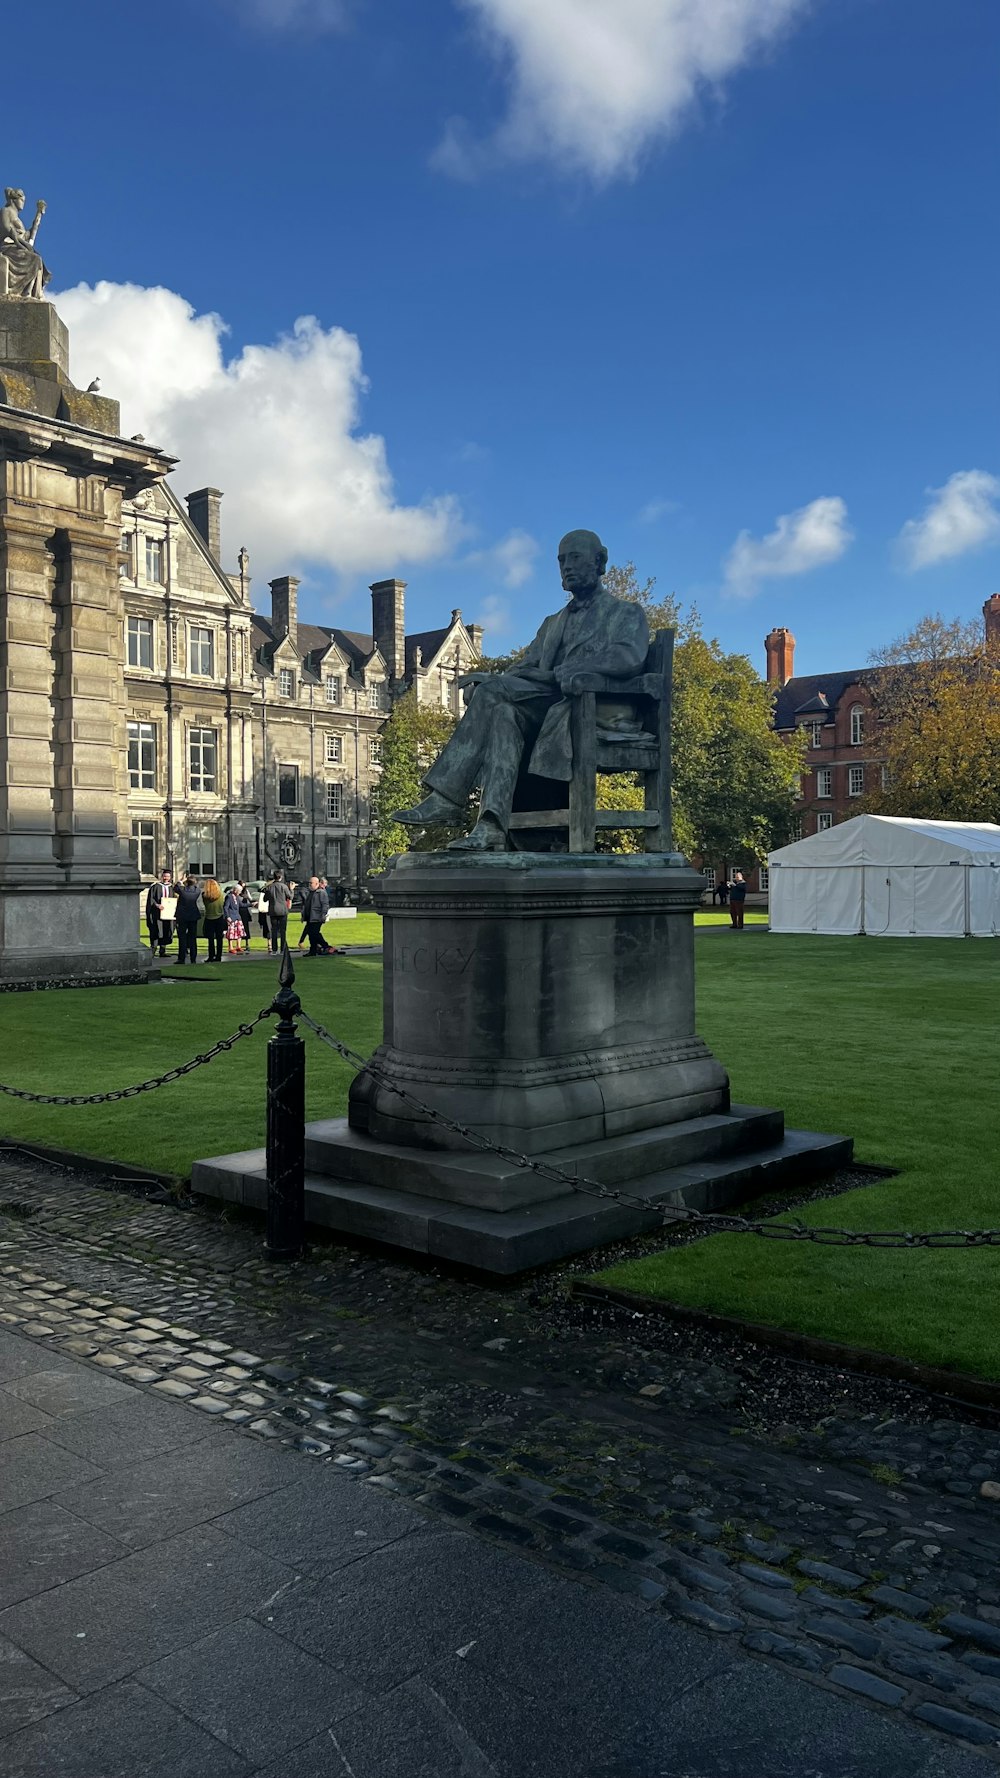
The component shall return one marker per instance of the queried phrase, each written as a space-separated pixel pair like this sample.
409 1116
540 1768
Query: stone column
27 624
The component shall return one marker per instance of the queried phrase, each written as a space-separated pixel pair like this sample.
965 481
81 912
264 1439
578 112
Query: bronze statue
22 270
526 711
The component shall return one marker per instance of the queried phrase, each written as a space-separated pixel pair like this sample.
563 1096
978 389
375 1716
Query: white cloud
594 83
511 561
657 509
294 15
963 515
808 538
494 615
276 427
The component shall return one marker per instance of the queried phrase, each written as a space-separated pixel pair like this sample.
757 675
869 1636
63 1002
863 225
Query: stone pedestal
547 1002
542 998
68 889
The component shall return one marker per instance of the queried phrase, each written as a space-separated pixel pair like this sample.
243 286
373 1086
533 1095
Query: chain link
143 1086
713 1221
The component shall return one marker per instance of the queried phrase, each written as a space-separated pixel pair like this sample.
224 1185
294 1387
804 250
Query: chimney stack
476 636
285 608
779 647
203 511
991 619
389 625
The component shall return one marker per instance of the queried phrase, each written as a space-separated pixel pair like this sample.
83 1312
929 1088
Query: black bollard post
286 1124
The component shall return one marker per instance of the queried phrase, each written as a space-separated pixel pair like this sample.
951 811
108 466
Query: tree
411 740
936 696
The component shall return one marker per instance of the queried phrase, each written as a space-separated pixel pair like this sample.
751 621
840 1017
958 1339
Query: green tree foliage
936 716
411 740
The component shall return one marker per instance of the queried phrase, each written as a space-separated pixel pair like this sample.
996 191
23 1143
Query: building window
795 829
126 556
140 641
709 876
824 781
201 851
763 879
154 561
334 689
141 756
334 858
202 758
375 696
856 781
334 750
815 733
857 725
202 651
143 847
375 750
884 777
286 682
335 802
823 821
288 787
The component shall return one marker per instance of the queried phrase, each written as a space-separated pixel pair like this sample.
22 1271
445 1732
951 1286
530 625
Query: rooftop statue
525 712
22 270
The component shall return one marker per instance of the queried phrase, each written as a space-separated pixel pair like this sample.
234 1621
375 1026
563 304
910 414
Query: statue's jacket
598 635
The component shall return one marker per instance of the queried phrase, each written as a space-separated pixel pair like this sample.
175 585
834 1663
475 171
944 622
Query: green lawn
85 1040
894 1042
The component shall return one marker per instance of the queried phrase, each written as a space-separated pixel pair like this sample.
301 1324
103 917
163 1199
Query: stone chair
617 725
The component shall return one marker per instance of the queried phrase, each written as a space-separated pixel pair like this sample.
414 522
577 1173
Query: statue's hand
572 684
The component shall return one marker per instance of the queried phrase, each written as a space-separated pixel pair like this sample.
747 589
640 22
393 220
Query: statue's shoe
435 810
486 836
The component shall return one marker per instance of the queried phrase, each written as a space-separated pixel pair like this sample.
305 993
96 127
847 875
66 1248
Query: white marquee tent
890 877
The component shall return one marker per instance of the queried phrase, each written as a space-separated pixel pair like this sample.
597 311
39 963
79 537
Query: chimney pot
203 511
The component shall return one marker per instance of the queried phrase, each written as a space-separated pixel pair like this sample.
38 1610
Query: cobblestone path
846 1526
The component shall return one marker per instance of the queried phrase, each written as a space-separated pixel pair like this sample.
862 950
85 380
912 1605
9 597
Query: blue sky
718 280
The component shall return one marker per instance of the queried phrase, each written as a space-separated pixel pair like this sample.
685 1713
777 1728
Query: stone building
255 740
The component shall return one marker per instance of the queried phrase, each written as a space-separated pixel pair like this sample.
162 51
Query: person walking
315 905
278 901
243 899
724 888
737 900
190 908
160 930
215 919
234 923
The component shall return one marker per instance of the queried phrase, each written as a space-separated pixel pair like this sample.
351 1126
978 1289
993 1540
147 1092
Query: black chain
143 1086
715 1221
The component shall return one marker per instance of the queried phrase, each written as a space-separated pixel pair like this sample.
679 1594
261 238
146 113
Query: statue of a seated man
526 711
26 272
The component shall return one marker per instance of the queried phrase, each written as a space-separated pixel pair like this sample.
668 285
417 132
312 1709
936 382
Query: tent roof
894 839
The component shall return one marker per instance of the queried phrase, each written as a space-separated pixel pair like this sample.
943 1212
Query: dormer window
857 725
375 696
815 733
154 561
286 682
334 688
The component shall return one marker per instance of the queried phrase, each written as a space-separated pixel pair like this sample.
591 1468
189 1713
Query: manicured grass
364 929
86 1040
894 1042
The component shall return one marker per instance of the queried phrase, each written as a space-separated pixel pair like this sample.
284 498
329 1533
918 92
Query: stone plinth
546 1002
34 368
540 998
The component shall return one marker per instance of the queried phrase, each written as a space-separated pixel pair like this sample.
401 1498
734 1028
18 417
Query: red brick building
843 762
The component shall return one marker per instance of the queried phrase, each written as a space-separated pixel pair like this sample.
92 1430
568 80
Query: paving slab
42 1545
161 1496
103 1626
28 1691
57 1390
126 1432
31 1468
321 1523
124 1732
256 1692
17 1417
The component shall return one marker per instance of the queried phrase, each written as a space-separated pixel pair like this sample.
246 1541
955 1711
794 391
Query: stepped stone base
485 1214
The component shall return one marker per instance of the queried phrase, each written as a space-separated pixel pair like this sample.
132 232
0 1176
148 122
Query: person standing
160 930
215 920
724 888
278 902
190 908
315 906
243 898
737 900
234 923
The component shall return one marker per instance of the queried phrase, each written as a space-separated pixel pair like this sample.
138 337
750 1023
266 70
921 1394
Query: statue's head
14 197
582 560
